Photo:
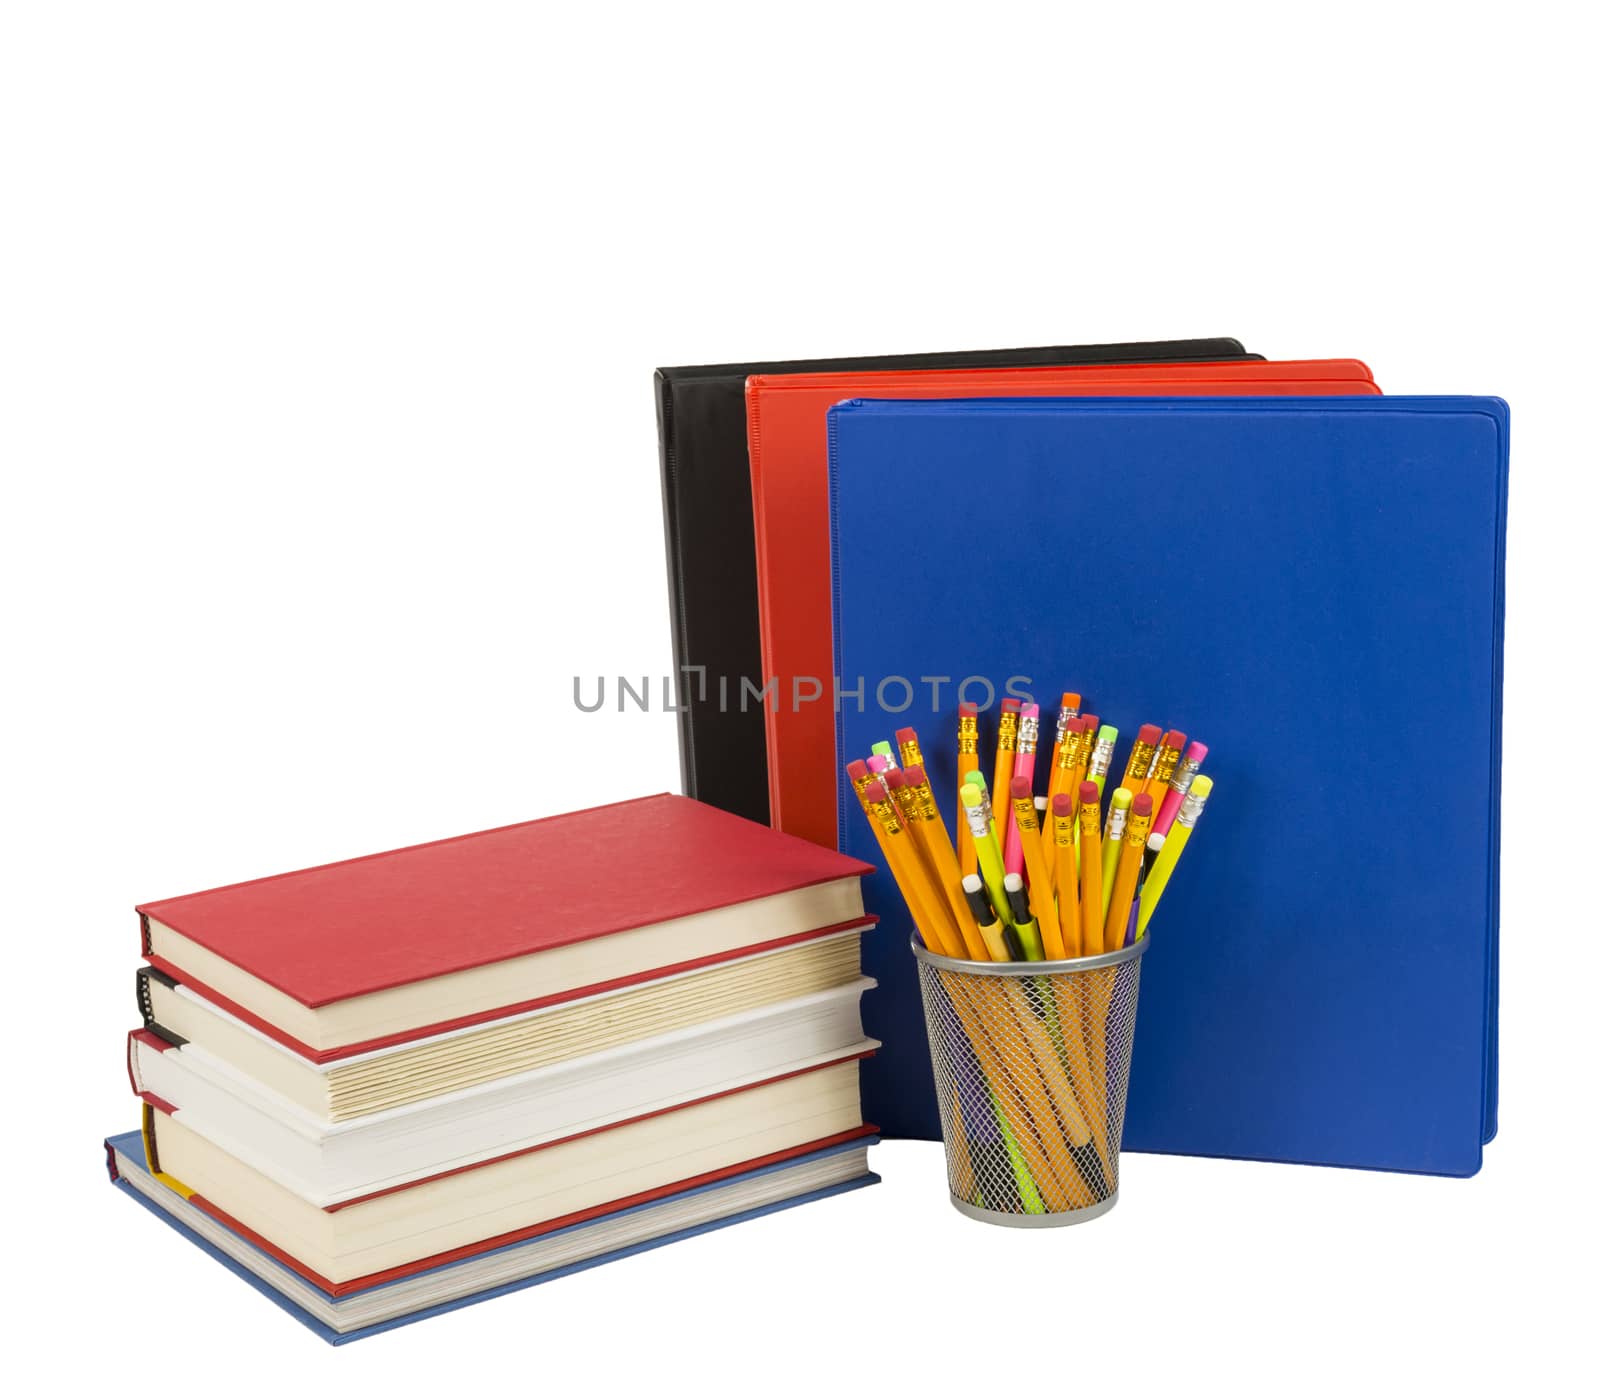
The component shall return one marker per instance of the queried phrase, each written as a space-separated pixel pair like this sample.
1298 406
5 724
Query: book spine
147 1010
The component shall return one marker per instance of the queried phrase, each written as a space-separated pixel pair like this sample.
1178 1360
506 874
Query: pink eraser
1010 705
1030 710
1150 734
969 710
876 793
1197 752
877 764
895 778
856 769
916 777
905 734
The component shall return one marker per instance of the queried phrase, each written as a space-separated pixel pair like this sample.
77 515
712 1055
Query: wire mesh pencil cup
1030 1061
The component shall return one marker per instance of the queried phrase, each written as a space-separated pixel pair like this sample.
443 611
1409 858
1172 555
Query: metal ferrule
1008 731
911 753
925 801
1119 823
888 817
1139 762
1190 810
1022 811
1184 775
1166 763
1063 830
1100 760
1089 818
1138 830
1027 736
977 818
967 736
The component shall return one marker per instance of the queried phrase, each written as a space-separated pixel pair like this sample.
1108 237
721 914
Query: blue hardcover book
1313 588
355 1314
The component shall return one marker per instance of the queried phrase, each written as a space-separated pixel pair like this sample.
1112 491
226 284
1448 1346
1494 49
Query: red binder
786 417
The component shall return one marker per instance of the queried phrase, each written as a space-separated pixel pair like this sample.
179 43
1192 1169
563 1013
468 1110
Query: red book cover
786 415
376 922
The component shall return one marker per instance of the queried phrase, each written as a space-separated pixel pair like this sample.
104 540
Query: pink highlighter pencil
1178 788
1022 768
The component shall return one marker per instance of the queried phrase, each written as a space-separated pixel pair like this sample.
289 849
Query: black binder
711 556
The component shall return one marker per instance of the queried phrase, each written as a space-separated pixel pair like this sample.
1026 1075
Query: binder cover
1312 587
711 561
788 437
167 1211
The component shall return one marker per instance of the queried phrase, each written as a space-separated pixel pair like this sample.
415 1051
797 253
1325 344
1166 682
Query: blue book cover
1312 587
172 1209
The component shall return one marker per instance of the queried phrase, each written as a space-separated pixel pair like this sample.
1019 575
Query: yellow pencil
1126 884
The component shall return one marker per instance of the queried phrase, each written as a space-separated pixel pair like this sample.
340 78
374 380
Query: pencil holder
1030 1061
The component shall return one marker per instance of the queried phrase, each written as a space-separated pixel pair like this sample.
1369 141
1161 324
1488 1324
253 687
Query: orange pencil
1074 752
1139 759
1127 881
1040 899
925 820
1093 911
1088 725
1171 748
966 760
1005 754
1067 904
925 902
1069 711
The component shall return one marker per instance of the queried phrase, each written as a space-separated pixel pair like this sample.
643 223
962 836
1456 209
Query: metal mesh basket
1030 1060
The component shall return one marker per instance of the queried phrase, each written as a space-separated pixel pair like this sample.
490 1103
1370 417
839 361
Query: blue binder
1312 587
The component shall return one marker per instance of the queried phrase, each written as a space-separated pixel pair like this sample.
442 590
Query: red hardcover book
380 949
786 415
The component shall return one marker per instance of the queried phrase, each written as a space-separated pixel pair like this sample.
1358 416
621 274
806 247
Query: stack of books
395 1085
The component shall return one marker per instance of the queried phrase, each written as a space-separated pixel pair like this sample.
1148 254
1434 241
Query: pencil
1139 759
1161 769
1111 850
1089 865
925 903
1004 755
1040 898
1171 849
1022 778
1128 863
966 762
1067 877
925 820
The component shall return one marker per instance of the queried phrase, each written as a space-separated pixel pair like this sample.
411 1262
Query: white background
330 459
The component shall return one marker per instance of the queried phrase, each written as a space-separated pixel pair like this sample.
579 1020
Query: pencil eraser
975 777
1108 733
1150 734
1013 882
971 796
878 763
1089 792
1063 805
1197 752
1156 843
1030 710
1041 802
1088 723
1010 705
895 778
916 776
972 884
1142 803
969 710
1121 797
880 748
875 792
1174 739
1021 787
1201 789
1071 700
905 734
